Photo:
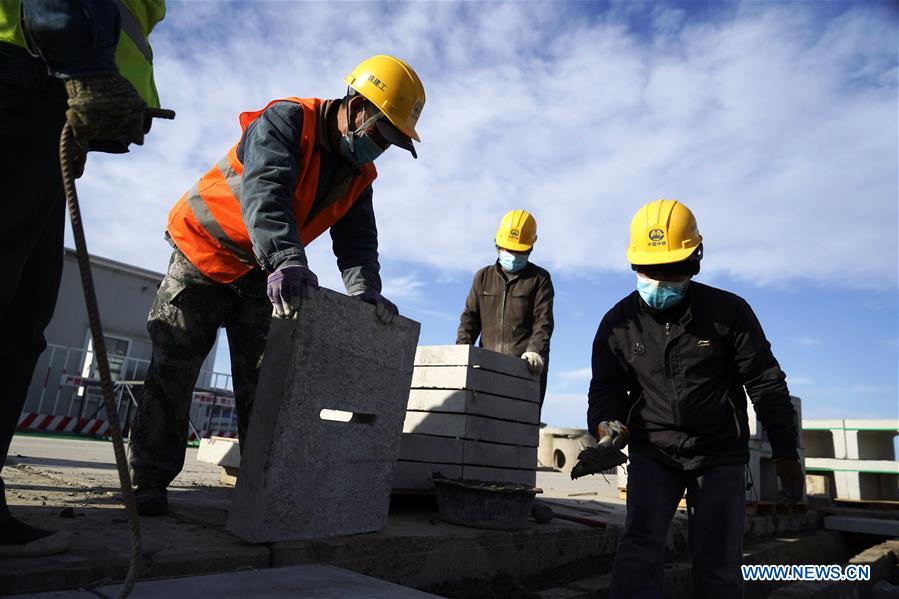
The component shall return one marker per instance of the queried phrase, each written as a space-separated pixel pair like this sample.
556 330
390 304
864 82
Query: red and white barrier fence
93 427
29 421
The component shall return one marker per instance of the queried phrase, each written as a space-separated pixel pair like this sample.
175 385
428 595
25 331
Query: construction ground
71 483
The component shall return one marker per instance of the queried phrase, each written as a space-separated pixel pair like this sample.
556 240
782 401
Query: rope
67 148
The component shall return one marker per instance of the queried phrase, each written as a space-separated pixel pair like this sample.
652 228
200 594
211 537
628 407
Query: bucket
484 504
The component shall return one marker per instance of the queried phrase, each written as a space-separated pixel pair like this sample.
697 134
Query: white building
64 391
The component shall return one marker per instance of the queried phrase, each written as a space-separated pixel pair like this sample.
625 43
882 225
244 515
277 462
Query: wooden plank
474 428
463 377
464 401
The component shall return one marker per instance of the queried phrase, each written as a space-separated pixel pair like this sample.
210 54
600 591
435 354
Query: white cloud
776 126
806 341
580 375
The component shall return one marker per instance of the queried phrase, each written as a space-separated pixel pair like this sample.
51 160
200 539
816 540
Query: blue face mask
359 149
661 295
512 262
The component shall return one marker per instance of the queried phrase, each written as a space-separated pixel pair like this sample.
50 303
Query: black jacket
676 377
512 314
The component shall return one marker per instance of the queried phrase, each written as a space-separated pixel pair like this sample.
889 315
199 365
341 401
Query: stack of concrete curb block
856 459
326 423
472 414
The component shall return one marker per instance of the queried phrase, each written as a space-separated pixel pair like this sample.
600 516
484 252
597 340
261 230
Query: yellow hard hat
517 231
393 87
663 232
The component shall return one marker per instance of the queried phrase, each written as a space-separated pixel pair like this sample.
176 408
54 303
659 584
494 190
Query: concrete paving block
429 448
417 475
270 583
220 451
497 455
475 403
476 357
474 428
464 377
305 475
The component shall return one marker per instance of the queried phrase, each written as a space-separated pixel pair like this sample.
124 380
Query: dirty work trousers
183 324
32 113
716 509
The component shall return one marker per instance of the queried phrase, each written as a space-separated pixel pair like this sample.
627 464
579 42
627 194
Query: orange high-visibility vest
206 223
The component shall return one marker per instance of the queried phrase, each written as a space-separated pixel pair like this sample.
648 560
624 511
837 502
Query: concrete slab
420 556
220 451
475 379
79 493
307 582
304 476
871 526
877 424
476 357
474 428
428 448
460 401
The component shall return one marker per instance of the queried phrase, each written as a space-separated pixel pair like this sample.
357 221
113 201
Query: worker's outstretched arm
765 383
270 152
470 320
608 395
354 239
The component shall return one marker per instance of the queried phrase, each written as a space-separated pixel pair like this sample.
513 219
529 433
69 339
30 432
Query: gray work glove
612 433
105 107
385 309
606 454
535 362
287 286
792 479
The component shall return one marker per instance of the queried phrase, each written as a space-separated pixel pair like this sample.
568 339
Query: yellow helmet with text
517 231
663 232
393 87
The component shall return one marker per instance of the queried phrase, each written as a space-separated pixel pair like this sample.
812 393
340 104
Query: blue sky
775 122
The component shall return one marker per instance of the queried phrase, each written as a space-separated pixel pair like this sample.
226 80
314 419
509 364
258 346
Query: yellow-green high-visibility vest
133 55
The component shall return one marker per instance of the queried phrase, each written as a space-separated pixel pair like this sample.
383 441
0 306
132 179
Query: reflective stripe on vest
133 29
207 225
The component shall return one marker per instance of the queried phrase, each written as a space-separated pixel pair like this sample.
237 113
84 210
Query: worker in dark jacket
88 63
510 305
670 365
302 166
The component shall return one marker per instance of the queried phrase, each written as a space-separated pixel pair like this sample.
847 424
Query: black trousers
716 509
32 113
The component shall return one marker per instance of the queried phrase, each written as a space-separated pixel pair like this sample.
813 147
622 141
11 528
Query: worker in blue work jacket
671 362
87 62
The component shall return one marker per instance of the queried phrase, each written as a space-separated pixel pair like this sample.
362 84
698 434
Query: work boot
151 502
18 539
